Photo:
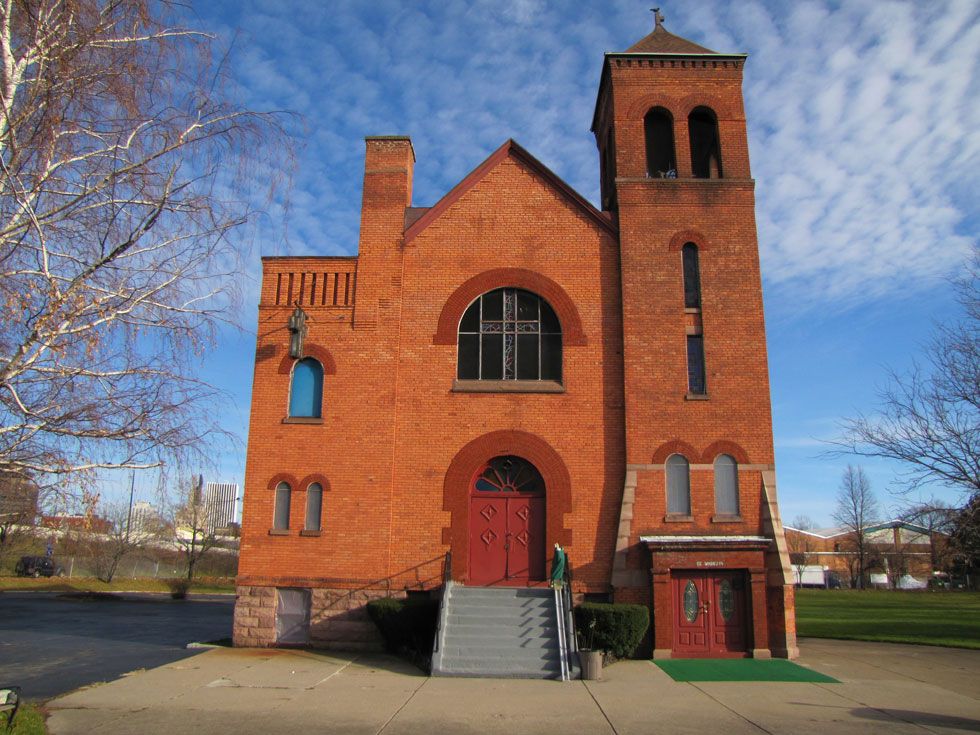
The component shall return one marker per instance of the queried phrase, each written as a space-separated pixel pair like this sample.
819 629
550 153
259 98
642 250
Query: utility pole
129 515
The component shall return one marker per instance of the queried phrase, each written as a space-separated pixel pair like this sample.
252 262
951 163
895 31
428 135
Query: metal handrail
443 603
567 641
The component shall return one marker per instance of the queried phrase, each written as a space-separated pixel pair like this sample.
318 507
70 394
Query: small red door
709 614
507 523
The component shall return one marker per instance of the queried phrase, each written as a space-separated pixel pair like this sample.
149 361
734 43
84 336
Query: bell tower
670 127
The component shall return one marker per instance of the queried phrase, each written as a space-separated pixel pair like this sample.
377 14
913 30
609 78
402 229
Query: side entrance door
507 523
709 614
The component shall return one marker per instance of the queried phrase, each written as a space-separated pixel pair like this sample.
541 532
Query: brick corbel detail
310 350
466 463
462 297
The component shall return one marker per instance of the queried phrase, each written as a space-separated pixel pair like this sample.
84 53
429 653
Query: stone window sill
278 531
696 397
678 518
507 386
306 532
725 518
302 420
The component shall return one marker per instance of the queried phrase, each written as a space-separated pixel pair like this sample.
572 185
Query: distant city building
18 500
221 503
145 518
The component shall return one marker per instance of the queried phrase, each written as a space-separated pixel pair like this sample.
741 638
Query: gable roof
662 41
510 149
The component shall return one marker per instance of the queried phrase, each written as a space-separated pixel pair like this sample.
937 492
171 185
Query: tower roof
662 41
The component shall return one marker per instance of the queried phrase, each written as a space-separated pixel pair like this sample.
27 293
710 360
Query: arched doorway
507 523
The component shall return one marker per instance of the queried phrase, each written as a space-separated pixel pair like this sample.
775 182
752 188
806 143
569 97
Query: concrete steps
499 632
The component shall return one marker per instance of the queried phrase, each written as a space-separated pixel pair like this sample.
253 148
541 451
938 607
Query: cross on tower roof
658 17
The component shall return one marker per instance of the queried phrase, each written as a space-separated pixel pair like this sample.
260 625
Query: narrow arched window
306 389
509 334
280 516
702 125
658 129
726 486
692 276
678 486
314 505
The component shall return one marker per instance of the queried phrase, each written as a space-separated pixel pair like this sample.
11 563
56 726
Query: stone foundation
338 618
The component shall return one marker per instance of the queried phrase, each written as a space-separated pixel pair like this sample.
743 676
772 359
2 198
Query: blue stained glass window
306 389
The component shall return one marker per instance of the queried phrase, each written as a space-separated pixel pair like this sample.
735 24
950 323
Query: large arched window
726 486
314 506
678 486
702 127
306 389
509 334
658 129
280 516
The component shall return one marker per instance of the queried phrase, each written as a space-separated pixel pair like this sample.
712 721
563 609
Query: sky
864 134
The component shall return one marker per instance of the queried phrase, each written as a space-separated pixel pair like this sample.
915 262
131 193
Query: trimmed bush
406 625
614 628
178 588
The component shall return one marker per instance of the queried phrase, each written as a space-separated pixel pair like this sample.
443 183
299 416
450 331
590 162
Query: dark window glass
692 277
280 518
471 319
509 475
705 149
509 334
314 501
658 128
492 359
527 356
678 486
695 364
306 388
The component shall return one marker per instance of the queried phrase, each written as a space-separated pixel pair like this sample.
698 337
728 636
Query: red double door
709 614
506 540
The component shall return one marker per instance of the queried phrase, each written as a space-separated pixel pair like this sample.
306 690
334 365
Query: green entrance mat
739 669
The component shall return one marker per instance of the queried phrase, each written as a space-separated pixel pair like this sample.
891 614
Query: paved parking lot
50 644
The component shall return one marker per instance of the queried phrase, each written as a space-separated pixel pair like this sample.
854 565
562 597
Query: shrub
616 629
178 588
406 625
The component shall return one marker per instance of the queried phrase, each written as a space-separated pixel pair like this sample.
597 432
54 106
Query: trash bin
591 665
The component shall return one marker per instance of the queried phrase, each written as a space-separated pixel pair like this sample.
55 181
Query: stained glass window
692 604
509 475
726 600
509 334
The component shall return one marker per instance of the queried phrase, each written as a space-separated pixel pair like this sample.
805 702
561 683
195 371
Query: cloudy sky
864 131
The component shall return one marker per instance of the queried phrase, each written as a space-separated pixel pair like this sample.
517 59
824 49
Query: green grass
90 584
29 721
740 669
927 618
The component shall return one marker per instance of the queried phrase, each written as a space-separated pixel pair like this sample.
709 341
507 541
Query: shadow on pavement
926 719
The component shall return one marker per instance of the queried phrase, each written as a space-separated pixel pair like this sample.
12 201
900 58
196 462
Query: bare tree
938 518
194 527
801 546
107 549
930 419
120 171
965 537
18 512
857 508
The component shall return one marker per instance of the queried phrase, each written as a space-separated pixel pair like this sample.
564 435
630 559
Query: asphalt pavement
51 644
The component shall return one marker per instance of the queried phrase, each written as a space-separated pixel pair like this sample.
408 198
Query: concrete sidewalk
885 688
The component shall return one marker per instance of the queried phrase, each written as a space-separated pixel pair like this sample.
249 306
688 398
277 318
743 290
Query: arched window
692 276
509 334
280 516
306 389
678 486
702 127
314 505
726 485
658 129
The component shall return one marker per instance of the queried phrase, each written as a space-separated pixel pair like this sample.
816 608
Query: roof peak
662 41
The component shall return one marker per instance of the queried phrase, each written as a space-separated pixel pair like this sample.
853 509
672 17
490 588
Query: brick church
512 368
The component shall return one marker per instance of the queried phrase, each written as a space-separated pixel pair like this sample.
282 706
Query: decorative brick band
462 297
310 350
469 459
692 455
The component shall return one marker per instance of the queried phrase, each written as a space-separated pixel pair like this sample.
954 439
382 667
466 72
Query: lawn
927 618
90 584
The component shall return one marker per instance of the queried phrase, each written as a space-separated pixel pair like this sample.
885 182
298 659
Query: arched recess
675 446
469 459
282 477
640 107
680 239
310 350
555 295
315 477
724 447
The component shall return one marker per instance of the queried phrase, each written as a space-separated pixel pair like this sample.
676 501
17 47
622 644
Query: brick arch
722 108
724 446
680 239
675 446
462 297
310 350
282 477
456 489
315 477
642 106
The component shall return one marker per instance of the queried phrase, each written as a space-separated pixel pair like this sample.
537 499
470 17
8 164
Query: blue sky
864 135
